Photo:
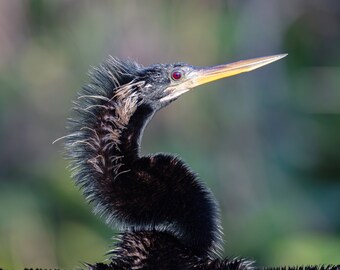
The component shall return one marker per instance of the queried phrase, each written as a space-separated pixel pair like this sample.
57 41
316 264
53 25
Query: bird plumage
168 217
143 193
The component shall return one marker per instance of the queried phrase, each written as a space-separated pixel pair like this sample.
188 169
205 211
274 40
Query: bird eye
176 75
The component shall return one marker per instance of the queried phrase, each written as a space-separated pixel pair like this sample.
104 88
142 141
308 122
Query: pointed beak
208 74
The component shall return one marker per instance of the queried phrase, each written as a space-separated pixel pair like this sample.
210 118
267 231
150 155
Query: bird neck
161 192
131 134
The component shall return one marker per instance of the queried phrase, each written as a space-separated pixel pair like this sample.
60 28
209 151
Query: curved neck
161 192
157 192
131 135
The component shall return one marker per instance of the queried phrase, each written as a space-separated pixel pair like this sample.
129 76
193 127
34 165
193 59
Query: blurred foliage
267 142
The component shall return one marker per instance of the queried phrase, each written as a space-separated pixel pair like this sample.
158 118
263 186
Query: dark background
267 143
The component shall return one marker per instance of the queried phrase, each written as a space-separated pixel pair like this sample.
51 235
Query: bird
166 215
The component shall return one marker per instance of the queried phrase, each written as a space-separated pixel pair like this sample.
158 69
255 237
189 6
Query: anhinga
168 218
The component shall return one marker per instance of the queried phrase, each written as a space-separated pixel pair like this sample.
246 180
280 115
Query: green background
267 142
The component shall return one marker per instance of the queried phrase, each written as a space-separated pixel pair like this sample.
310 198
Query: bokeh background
267 143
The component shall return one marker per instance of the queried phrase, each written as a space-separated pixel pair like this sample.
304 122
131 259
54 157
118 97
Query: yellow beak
209 74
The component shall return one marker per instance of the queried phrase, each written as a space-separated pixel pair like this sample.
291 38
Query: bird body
168 217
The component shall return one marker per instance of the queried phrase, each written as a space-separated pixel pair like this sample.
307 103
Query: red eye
176 75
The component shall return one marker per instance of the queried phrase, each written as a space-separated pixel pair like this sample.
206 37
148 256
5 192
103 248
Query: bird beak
201 75
208 74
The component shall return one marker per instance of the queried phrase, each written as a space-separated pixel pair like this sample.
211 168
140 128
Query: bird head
164 83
